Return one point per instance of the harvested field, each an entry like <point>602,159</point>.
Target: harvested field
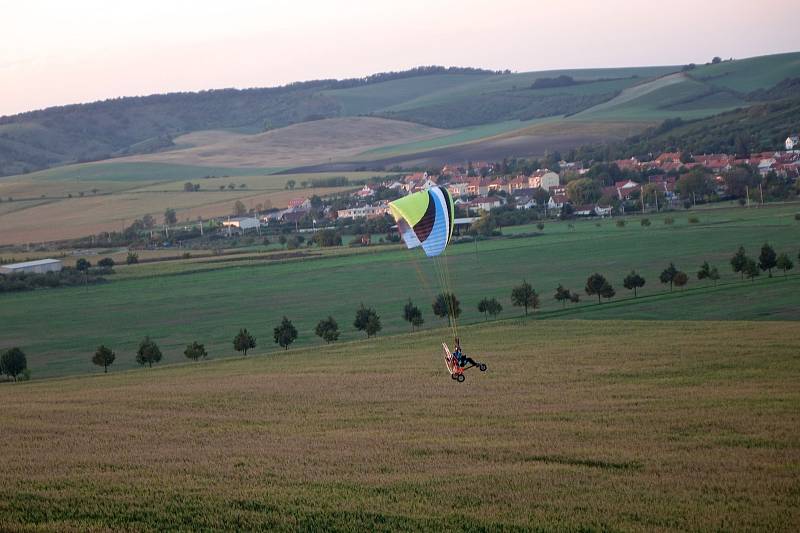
<point>570,429</point>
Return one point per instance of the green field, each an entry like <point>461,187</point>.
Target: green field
<point>210,302</point>
<point>749,74</point>
<point>576,426</point>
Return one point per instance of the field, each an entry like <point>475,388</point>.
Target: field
<point>66,214</point>
<point>577,426</point>
<point>208,301</point>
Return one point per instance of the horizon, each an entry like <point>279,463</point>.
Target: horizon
<point>97,52</point>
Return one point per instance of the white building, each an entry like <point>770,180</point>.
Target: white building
<point>792,142</point>
<point>32,267</point>
<point>544,179</point>
<point>367,211</point>
<point>458,189</point>
<point>242,223</point>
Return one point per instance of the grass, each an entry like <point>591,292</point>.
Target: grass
<point>749,74</point>
<point>465,135</point>
<point>179,302</point>
<point>577,426</point>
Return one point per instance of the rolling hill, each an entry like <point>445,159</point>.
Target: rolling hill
<point>227,129</point>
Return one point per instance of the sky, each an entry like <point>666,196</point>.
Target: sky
<point>55,52</point>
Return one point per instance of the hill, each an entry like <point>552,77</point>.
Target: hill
<point>762,127</point>
<point>462,100</point>
<point>576,426</point>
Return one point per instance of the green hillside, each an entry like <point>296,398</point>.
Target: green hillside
<point>746,75</point>
<point>452,98</point>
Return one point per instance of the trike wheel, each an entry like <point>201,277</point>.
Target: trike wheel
<point>461,378</point>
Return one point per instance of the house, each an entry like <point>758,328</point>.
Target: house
<point>525,202</point>
<point>365,192</point>
<point>484,203</point>
<point>367,211</point>
<point>792,142</point>
<point>39,266</point>
<point>458,189</point>
<point>520,182</point>
<point>626,188</point>
<point>765,165</point>
<point>478,187</point>
<point>627,164</point>
<point>544,179</point>
<point>668,157</point>
<point>557,199</point>
<point>584,210</point>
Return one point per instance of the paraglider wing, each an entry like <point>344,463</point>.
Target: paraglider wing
<point>425,219</point>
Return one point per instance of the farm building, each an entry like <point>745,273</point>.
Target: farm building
<point>243,223</point>
<point>32,267</point>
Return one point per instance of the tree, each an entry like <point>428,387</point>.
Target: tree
<point>285,333</point>
<point>584,191</point>
<point>784,263</point>
<point>705,270</point>
<point>188,186</point>
<point>290,184</point>
<point>750,269</point>
<point>494,307</point>
<point>106,262</point>
<point>148,353</point>
<point>170,217</point>
<point>713,275</point>
<point>195,351</point>
<point>327,237</point>
<point>489,306</point>
<point>680,279</point>
<point>13,362</point>
<point>716,60</point>
<point>367,320</point>
<point>574,297</point>
<point>132,258</point>
<point>767,259</point>
<point>239,208</point>
<point>633,281</point>
<point>696,183</point>
<point>598,285</point>
<point>243,341</point>
<point>373,325</point>
<point>739,260</point>
<point>82,264</point>
<point>524,296</point>
<point>562,295</point>
<point>447,305</point>
<point>668,275</point>
<point>327,329</point>
<point>412,314</point>
<point>104,356</point>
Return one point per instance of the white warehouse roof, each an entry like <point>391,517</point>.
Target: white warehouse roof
<point>28,264</point>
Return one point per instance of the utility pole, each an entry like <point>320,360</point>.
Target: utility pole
<point>747,191</point>
<point>761,190</point>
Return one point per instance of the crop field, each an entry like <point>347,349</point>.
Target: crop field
<point>179,302</point>
<point>576,426</point>
<point>61,216</point>
<point>306,143</point>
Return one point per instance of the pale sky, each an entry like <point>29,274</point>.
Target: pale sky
<point>55,52</point>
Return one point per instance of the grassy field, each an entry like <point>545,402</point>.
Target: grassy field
<point>750,74</point>
<point>576,426</point>
<point>179,302</point>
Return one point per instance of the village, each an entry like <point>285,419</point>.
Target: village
<point>671,180</point>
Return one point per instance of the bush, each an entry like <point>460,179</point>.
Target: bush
<point>645,222</point>
<point>694,220</point>
<point>106,262</point>
<point>620,223</point>
<point>669,221</point>
<point>797,216</point>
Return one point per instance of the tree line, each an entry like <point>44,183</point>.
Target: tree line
<point>446,305</point>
